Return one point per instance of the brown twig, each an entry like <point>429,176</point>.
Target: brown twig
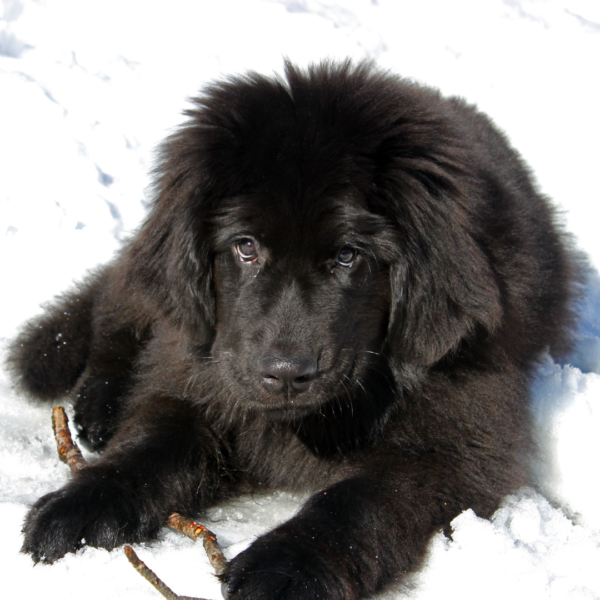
<point>70,454</point>
<point>148,574</point>
<point>68,451</point>
<point>194,531</point>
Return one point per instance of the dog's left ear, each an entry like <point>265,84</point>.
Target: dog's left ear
<point>443,288</point>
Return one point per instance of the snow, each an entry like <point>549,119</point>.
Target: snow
<point>87,90</point>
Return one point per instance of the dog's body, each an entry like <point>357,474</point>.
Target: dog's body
<point>342,288</point>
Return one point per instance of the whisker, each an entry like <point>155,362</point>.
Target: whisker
<point>192,378</point>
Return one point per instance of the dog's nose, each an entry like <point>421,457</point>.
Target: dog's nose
<point>287,373</point>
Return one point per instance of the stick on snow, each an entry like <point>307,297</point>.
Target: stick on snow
<point>70,454</point>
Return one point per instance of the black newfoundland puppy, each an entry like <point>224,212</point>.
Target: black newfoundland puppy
<point>342,288</point>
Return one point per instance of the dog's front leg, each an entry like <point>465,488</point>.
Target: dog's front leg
<point>356,537</point>
<point>164,458</point>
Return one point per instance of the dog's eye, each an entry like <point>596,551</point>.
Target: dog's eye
<point>346,257</point>
<point>246,250</point>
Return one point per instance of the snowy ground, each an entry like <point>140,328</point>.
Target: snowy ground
<point>87,89</point>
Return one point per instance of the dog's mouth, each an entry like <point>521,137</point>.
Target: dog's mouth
<point>286,409</point>
<point>304,398</point>
<point>305,386</point>
<point>294,384</point>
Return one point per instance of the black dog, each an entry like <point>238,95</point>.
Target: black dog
<point>342,287</point>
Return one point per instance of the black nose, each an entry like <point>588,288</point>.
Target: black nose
<point>287,373</point>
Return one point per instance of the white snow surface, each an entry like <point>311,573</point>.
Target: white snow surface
<point>87,91</point>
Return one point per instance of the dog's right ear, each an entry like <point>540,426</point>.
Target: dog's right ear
<point>168,264</point>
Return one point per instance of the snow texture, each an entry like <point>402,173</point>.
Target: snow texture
<point>88,89</point>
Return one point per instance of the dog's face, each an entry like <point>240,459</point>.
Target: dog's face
<point>313,228</point>
<point>302,299</point>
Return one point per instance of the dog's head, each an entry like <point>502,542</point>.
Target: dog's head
<point>313,226</point>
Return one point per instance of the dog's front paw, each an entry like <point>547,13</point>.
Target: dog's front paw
<point>278,568</point>
<point>85,514</point>
<point>51,529</point>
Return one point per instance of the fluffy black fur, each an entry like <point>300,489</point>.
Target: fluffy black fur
<point>342,288</point>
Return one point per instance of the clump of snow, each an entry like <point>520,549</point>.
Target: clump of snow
<point>88,91</point>
<point>566,410</point>
<point>528,550</point>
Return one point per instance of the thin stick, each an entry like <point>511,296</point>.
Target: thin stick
<point>68,451</point>
<point>70,454</point>
<point>194,531</point>
<point>150,576</point>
